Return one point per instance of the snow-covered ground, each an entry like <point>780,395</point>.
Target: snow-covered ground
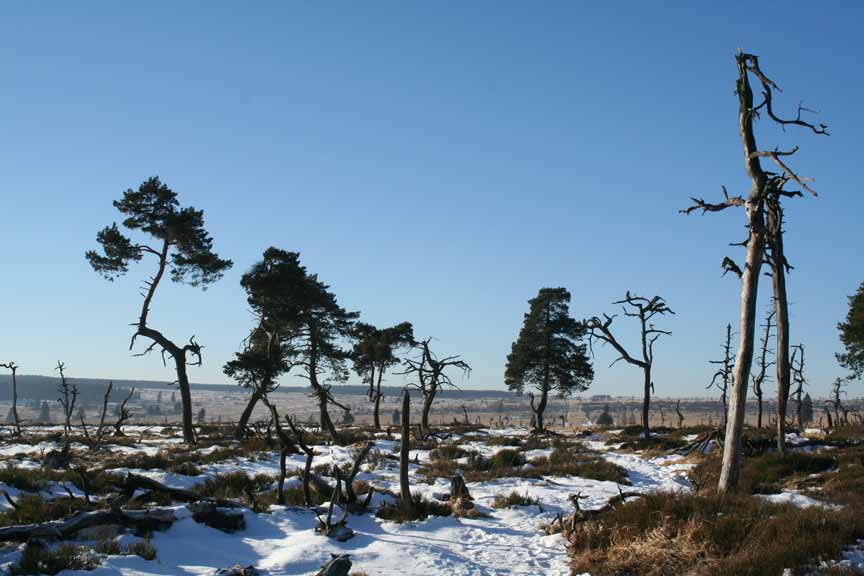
<point>283,541</point>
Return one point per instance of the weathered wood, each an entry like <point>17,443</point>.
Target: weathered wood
<point>337,566</point>
<point>405,500</point>
<point>140,520</point>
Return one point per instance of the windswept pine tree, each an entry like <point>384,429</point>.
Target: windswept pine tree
<point>180,245</point>
<point>375,352</point>
<point>549,355</point>
<point>265,356</point>
<point>309,319</point>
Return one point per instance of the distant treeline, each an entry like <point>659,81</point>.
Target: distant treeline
<point>93,389</point>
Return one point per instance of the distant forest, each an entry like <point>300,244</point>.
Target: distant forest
<point>92,390</point>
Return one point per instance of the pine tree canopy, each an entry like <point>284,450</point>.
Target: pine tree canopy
<point>549,354</point>
<point>376,347</point>
<point>184,243</point>
<point>852,334</point>
<point>300,307</point>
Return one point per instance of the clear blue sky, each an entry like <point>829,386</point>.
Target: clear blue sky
<point>435,162</point>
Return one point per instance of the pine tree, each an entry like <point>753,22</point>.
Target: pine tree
<point>852,335</point>
<point>375,352</point>
<point>806,409</point>
<point>549,354</point>
<point>182,245</point>
<point>308,319</point>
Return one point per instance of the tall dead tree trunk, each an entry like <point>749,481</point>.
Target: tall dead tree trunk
<point>764,186</point>
<point>777,261</point>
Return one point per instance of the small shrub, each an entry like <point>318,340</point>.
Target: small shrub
<point>32,508</point>
<point>504,441</point>
<point>423,508</point>
<point>448,452</point>
<point>38,558</point>
<point>514,499</point>
<point>675,533</point>
<point>234,485</point>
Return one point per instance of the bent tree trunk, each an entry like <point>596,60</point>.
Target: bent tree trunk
<point>185,396</point>
<point>427,409</point>
<point>247,413</point>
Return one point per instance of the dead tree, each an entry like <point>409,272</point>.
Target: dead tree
<point>432,377</point>
<point>797,366</point>
<point>722,376</point>
<point>761,376</point>
<point>286,448</point>
<point>337,530</point>
<point>679,414</point>
<point>16,422</point>
<point>405,501</point>
<point>840,411</point>
<point>95,441</point>
<point>123,414</point>
<point>68,396</point>
<point>644,309</point>
<point>766,190</point>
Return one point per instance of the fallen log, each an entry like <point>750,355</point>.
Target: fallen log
<point>156,519</point>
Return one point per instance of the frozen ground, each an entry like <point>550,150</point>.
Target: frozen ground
<point>283,542</point>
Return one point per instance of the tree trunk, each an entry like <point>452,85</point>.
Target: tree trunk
<point>185,396</point>
<point>15,419</point>
<point>427,408</point>
<point>540,409</point>
<point>326,422</point>
<point>247,413</point>
<point>404,488</point>
<point>759,410</point>
<point>646,402</point>
<point>376,411</point>
<point>775,223</point>
<point>730,469</point>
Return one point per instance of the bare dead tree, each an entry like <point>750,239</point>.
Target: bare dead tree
<point>722,377</point>
<point>95,441</point>
<point>678,413</point>
<point>761,376</point>
<point>765,192</point>
<point>123,414</point>
<point>432,377</point>
<point>68,396</point>
<point>798,379</point>
<point>644,309</point>
<point>286,448</point>
<point>841,413</point>
<point>16,422</point>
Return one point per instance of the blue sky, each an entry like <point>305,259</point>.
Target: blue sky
<point>433,162</point>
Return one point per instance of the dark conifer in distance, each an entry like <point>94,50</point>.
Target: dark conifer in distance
<point>549,355</point>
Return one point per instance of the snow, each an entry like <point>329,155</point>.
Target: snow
<point>796,499</point>
<point>502,542</point>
